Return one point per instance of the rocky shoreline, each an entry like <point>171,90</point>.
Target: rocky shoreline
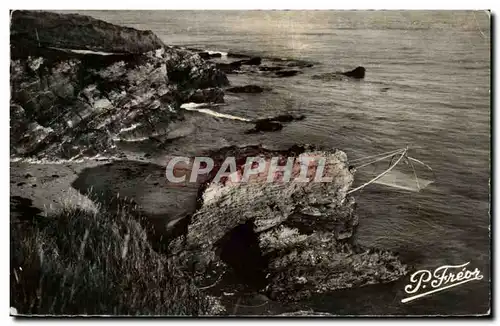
<point>79,86</point>
<point>287,240</point>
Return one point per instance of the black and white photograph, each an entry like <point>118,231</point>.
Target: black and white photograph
<point>250,163</point>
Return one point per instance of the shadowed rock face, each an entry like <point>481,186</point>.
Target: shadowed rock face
<point>266,125</point>
<point>287,73</point>
<point>274,123</point>
<point>47,29</point>
<point>207,95</point>
<point>289,240</point>
<point>67,104</point>
<point>247,89</point>
<point>251,62</point>
<point>357,73</point>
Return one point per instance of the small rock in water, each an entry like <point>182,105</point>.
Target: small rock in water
<point>207,55</point>
<point>229,68</point>
<point>266,125</point>
<point>274,123</point>
<point>246,89</point>
<point>287,118</point>
<point>358,73</point>
<point>207,95</point>
<point>268,68</point>
<point>252,62</point>
<point>287,73</point>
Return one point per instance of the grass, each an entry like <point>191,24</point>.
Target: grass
<point>80,262</point>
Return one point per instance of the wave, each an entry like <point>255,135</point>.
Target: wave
<point>224,54</point>
<point>201,107</point>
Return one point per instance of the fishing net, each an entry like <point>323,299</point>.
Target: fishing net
<point>400,173</point>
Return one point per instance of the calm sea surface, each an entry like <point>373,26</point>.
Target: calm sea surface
<point>436,66</point>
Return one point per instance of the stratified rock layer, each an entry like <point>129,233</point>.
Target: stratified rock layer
<point>65,103</point>
<point>287,239</point>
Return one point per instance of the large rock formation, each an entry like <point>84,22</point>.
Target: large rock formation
<point>65,102</point>
<point>286,239</point>
<point>47,29</point>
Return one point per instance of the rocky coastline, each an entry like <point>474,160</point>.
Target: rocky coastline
<point>80,85</point>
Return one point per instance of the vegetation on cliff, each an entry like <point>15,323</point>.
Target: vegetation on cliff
<point>80,262</point>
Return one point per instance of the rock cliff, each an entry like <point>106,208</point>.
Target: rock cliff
<point>66,102</point>
<point>288,240</point>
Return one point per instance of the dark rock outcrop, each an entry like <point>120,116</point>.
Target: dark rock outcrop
<point>236,55</point>
<point>265,125</point>
<point>292,62</point>
<point>247,89</point>
<point>358,73</point>
<point>274,123</point>
<point>286,73</point>
<point>229,68</point>
<point>207,95</point>
<point>65,103</point>
<point>249,64</point>
<point>270,68</point>
<point>255,61</point>
<point>285,118</point>
<point>289,240</point>
<point>207,55</point>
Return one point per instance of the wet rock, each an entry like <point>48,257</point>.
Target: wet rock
<point>207,55</point>
<point>289,240</point>
<point>358,73</point>
<point>300,64</point>
<point>236,55</point>
<point>287,73</point>
<point>251,62</point>
<point>292,62</point>
<point>247,89</point>
<point>285,118</point>
<point>270,68</point>
<point>266,125</point>
<point>229,68</point>
<point>274,123</point>
<point>35,138</point>
<point>204,55</point>
<point>207,95</point>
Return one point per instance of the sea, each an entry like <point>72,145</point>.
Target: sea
<point>427,88</point>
